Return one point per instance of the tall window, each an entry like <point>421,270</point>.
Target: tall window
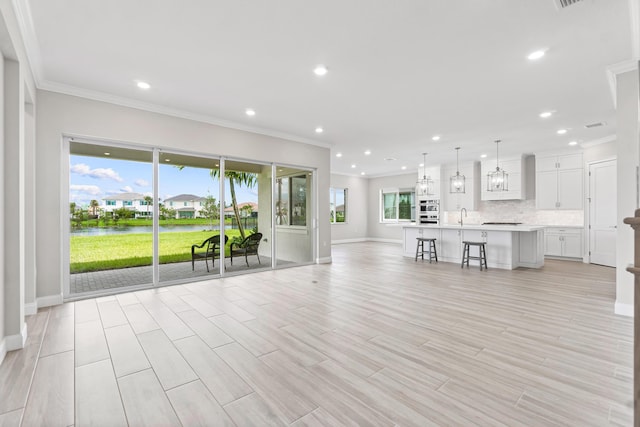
<point>338,204</point>
<point>397,205</point>
<point>291,200</point>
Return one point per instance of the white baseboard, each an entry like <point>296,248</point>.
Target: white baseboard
<point>30,308</point>
<point>324,260</point>
<point>376,239</point>
<point>340,242</point>
<point>50,300</point>
<point>13,342</point>
<point>3,349</point>
<point>624,309</point>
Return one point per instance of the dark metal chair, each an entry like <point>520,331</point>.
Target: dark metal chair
<point>249,246</point>
<point>212,251</point>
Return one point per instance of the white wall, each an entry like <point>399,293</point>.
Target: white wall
<point>375,229</point>
<point>60,114</point>
<point>627,162</point>
<point>355,227</point>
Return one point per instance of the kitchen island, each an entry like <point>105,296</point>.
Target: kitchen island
<point>507,246</point>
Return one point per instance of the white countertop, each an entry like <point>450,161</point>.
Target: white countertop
<point>521,227</point>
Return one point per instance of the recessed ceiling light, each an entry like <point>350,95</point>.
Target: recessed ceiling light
<point>353,166</point>
<point>361,173</point>
<point>403,167</point>
<point>338,154</point>
<point>546,114</point>
<point>320,70</point>
<point>421,165</point>
<point>144,85</point>
<point>319,129</point>
<point>483,156</point>
<point>436,138</point>
<point>250,112</point>
<point>573,143</point>
<point>368,152</point>
<point>536,55</point>
<point>107,154</point>
<point>562,131</point>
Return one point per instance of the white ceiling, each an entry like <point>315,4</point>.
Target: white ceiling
<point>399,71</point>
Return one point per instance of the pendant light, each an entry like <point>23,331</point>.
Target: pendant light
<point>497,180</point>
<point>425,185</point>
<point>456,182</point>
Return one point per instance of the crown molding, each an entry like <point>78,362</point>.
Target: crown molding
<point>603,140</point>
<point>174,112</point>
<point>614,70</point>
<point>29,38</point>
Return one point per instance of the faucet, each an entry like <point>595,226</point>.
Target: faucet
<point>465,214</point>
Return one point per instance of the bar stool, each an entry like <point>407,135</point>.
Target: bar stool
<point>431,248</point>
<point>482,254</point>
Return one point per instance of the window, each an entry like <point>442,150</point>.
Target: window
<point>127,203</point>
<point>338,204</point>
<point>291,200</point>
<point>397,205</point>
<point>111,202</point>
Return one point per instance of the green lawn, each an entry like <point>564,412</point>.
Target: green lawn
<point>93,253</point>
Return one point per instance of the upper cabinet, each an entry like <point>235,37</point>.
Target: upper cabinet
<point>516,170</point>
<point>470,199</point>
<point>559,181</point>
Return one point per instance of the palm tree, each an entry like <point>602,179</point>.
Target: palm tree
<point>240,178</point>
<point>93,207</point>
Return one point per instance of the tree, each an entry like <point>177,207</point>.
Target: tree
<point>94,205</point>
<point>148,200</point>
<point>72,208</point>
<point>210,209</point>
<point>239,178</point>
<point>247,210</point>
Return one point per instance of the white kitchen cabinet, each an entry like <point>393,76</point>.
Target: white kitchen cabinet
<point>412,233</point>
<point>559,181</point>
<point>516,171</point>
<point>563,242</point>
<point>470,199</point>
<point>450,245</point>
<point>499,245</point>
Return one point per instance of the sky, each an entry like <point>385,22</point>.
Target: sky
<point>98,177</point>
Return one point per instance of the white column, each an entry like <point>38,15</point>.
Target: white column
<point>628,191</point>
<point>14,207</point>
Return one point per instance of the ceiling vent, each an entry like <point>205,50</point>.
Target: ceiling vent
<point>594,125</point>
<point>561,4</point>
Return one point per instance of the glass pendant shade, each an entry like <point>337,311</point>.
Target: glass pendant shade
<point>457,181</point>
<point>425,185</point>
<point>497,180</point>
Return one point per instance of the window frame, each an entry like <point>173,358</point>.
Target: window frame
<point>290,200</point>
<point>333,191</point>
<point>398,192</point>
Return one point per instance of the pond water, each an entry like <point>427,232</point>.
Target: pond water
<point>97,231</point>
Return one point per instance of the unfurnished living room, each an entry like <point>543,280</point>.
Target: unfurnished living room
<point>330,213</point>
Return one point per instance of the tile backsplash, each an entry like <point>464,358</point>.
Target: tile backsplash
<point>523,211</point>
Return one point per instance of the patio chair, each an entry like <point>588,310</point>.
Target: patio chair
<point>212,250</point>
<point>249,246</point>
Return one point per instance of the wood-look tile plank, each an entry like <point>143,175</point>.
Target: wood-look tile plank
<point>51,396</point>
<point>201,306</point>
<point>16,371</point>
<point>11,419</point>
<point>126,353</point>
<point>245,336</point>
<point>317,418</point>
<point>139,318</point>
<point>222,381</point>
<point>169,322</point>
<point>90,343</point>
<point>59,336</point>
<point>196,406</point>
<point>172,370</point>
<point>145,403</point>
<point>97,396</point>
<point>251,410</point>
<point>270,386</point>
<point>111,314</point>
<point>205,329</point>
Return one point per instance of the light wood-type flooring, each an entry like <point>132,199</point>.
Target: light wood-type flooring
<point>371,339</point>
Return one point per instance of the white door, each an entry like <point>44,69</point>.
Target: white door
<point>602,213</point>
